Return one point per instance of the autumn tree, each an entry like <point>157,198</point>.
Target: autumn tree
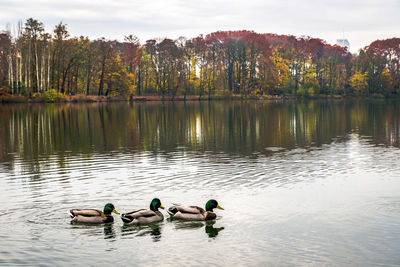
<point>358,82</point>
<point>246,63</point>
<point>5,52</point>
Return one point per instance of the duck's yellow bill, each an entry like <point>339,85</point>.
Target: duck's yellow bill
<point>219,207</point>
<point>115,211</point>
<point>161,206</point>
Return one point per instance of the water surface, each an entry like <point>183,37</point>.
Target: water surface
<point>302,183</point>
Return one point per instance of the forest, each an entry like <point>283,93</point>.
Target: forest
<point>37,64</point>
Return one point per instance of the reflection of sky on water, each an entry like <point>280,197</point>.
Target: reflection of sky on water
<point>317,193</point>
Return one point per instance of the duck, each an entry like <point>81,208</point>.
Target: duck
<point>195,213</point>
<point>143,216</point>
<point>93,216</point>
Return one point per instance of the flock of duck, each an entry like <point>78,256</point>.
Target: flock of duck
<point>142,216</point>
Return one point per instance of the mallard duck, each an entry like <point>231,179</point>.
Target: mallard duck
<point>195,213</point>
<point>143,215</point>
<point>94,216</point>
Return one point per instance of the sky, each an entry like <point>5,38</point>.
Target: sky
<point>359,21</point>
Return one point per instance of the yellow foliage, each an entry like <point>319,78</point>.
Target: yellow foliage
<point>281,68</point>
<point>387,78</point>
<point>309,72</point>
<point>358,81</point>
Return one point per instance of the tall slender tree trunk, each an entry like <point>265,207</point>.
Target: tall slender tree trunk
<point>16,69</point>
<point>37,69</point>
<point>26,75</point>
<point>65,74</point>
<point>20,72</point>
<point>76,80</point>
<point>88,83</point>
<point>139,78</point>
<point>48,69</point>
<point>88,70</point>
<point>69,86</point>
<point>42,69</point>
<point>53,69</point>
<point>101,83</point>
<point>29,69</point>
<point>58,72</point>
<point>10,73</point>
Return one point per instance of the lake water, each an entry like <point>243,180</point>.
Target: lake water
<point>302,183</point>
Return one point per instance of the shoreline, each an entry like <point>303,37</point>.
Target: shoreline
<point>180,98</point>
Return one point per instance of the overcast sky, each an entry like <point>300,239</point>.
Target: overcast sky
<point>360,21</point>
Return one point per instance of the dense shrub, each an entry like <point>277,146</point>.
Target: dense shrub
<point>54,96</point>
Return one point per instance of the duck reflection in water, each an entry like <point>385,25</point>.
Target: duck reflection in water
<point>209,228</point>
<point>109,232</point>
<point>211,231</point>
<point>153,230</point>
<point>91,229</point>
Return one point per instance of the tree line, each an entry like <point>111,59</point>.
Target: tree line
<point>33,61</point>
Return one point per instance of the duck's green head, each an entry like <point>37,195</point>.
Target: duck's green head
<point>108,208</point>
<point>155,204</point>
<point>212,204</point>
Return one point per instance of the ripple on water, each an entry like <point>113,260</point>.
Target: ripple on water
<point>283,168</point>
<point>268,206</point>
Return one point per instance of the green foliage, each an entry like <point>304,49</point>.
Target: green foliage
<point>54,96</point>
<point>310,88</point>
